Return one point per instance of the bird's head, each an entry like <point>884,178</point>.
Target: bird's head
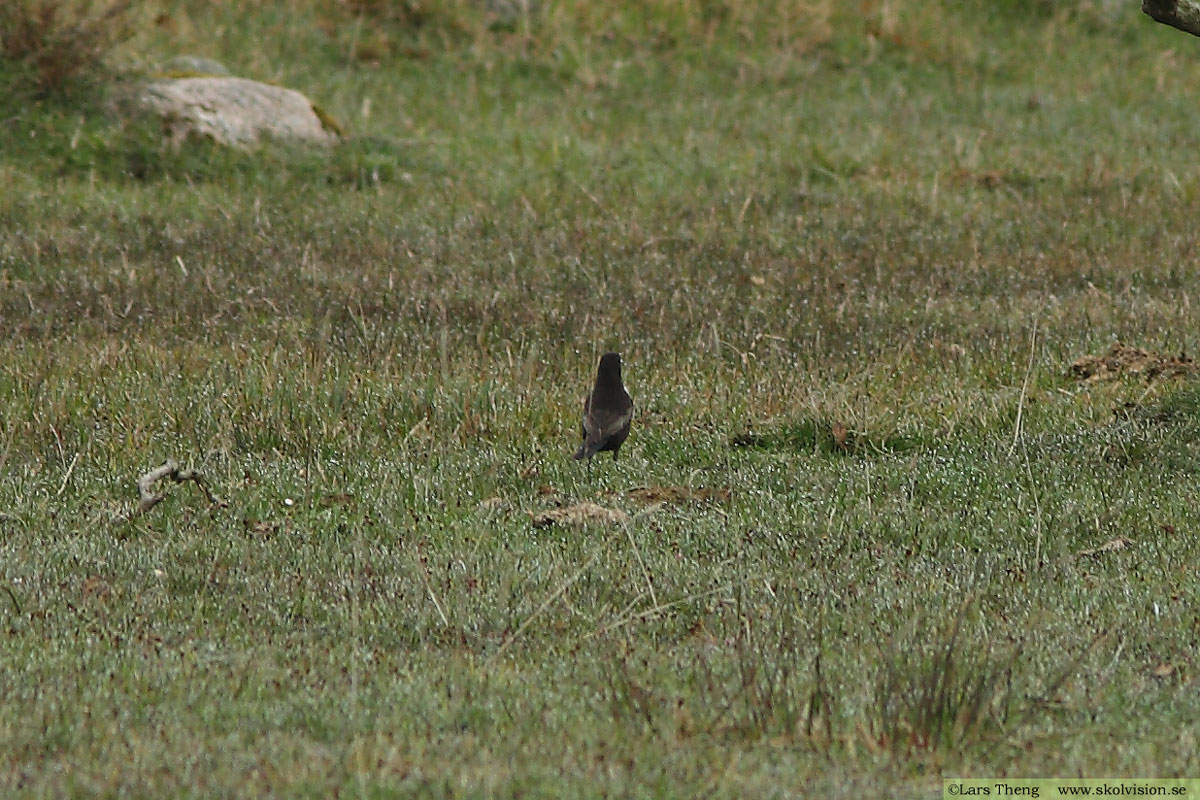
<point>610,368</point>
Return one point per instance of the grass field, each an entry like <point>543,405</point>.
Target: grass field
<point>848,256</point>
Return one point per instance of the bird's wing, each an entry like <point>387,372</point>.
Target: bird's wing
<point>587,416</point>
<point>602,423</point>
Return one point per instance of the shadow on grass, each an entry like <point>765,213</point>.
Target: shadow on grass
<point>358,163</point>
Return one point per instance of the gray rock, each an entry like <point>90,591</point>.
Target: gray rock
<point>233,111</point>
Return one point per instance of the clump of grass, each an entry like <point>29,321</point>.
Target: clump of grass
<point>764,681</point>
<point>49,43</point>
<point>938,698</point>
<point>771,695</point>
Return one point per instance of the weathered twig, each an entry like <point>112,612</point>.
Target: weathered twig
<point>170,469</point>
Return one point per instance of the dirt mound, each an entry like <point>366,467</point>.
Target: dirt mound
<point>1122,360</point>
<point>580,514</point>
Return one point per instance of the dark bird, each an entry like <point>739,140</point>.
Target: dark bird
<point>607,411</point>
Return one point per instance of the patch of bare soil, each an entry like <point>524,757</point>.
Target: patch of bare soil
<point>580,514</point>
<point>1121,359</point>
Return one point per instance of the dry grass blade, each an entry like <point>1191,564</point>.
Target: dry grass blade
<point>1111,546</point>
<point>7,446</point>
<point>424,573</point>
<point>1024,388</point>
<point>557,593</point>
<point>13,597</point>
<point>641,563</point>
<point>625,618</point>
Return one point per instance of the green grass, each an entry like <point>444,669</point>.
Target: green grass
<point>906,224</point>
